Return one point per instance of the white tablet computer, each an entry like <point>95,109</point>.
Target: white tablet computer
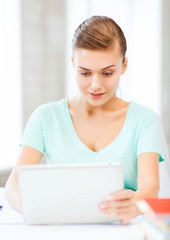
<point>64,194</point>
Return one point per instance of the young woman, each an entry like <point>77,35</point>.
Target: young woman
<point>95,125</point>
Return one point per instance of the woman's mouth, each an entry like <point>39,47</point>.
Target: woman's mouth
<point>96,95</point>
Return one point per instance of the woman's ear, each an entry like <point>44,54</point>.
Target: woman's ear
<point>125,63</point>
<point>72,59</point>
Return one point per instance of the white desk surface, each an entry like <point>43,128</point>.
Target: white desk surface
<point>12,226</point>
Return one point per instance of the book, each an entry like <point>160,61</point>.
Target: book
<point>158,207</point>
<point>153,231</point>
<point>156,216</point>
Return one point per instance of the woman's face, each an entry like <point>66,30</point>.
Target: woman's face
<point>98,73</point>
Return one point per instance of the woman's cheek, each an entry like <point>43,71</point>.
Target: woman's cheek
<point>112,84</point>
<point>82,84</point>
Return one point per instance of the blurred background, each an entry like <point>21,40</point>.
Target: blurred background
<point>35,58</point>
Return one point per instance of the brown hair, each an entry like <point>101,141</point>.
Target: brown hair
<point>99,32</point>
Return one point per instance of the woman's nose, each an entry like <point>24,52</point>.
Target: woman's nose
<point>95,83</point>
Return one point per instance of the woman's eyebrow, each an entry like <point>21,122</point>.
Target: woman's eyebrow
<point>101,69</point>
<point>83,68</point>
<point>108,67</point>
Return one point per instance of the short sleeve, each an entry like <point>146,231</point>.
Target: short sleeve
<point>33,133</point>
<point>151,137</point>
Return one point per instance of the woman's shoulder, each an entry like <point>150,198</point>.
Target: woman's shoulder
<point>141,115</point>
<point>50,107</point>
<point>49,112</point>
<point>141,110</point>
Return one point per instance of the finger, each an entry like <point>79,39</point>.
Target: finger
<point>120,216</point>
<point>119,210</point>
<point>124,194</point>
<point>116,204</point>
<point>124,217</point>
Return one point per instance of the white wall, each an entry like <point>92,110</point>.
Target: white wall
<point>10,81</point>
<point>43,53</point>
<point>32,67</point>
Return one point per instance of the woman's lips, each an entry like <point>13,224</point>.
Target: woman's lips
<point>96,95</point>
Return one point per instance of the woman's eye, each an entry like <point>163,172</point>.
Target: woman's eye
<point>85,73</point>
<point>107,73</point>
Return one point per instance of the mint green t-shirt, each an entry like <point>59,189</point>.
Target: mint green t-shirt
<point>50,130</point>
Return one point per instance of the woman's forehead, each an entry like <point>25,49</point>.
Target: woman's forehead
<point>97,58</point>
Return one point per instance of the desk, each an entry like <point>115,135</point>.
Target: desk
<point>12,226</point>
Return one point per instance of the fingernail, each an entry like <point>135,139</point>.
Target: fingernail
<point>102,206</point>
<point>112,197</point>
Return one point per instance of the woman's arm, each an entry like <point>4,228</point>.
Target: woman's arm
<point>123,203</point>
<point>27,156</point>
<point>148,175</point>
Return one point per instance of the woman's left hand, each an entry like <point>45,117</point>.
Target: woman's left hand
<point>122,205</point>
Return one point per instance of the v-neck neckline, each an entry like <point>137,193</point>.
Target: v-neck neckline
<point>79,141</point>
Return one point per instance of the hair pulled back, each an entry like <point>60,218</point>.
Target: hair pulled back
<point>99,32</point>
